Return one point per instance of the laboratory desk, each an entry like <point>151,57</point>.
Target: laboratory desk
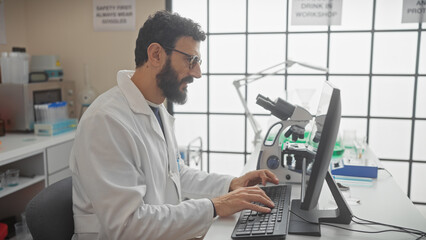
<point>382,201</point>
<point>41,160</point>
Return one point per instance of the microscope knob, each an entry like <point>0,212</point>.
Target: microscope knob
<point>273,162</point>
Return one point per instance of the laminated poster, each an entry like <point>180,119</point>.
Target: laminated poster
<point>114,15</point>
<point>316,12</point>
<point>413,11</point>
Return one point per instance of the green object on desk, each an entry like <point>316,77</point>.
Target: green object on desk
<point>284,139</point>
<point>337,152</point>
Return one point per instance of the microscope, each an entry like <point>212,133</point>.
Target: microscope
<point>288,160</point>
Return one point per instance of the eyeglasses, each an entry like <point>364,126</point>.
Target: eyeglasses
<point>193,59</point>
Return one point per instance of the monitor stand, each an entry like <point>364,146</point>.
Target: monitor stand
<point>342,214</point>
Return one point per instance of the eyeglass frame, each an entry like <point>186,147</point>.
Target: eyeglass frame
<point>193,59</point>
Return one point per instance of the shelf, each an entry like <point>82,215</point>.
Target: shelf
<point>23,183</point>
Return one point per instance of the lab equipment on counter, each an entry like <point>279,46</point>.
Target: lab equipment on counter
<point>14,67</point>
<point>12,177</point>
<point>50,65</point>
<point>287,160</point>
<point>88,94</point>
<point>193,153</point>
<point>52,119</point>
<point>351,165</point>
<point>17,102</point>
<point>51,112</point>
<point>55,128</point>
<point>273,70</point>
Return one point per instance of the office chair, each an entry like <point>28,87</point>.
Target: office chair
<point>49,214</point>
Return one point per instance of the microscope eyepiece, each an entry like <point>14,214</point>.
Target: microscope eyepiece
<point>280,108</point>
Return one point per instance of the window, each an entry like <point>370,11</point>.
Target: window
<point>377,62</point>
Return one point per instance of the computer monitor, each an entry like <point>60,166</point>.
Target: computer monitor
<point>322,139</point>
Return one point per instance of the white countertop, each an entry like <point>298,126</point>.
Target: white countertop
<point>19,145</point>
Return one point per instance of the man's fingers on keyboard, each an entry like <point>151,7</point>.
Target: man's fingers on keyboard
<point>263,200</point>
<point>254,188</point>
<point>263,194</point>
<point>258,208</point>
<point>257,189</point>
<point>256,194</point>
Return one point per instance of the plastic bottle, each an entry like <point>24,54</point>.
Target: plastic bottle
<point>14,66</point>
<point>24,67</point>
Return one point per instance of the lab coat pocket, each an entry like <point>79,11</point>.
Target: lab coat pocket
<point>176,180</point>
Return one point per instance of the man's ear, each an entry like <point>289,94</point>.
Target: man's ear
<point>155,54</point>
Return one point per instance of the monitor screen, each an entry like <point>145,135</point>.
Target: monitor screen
<point>321,140</point>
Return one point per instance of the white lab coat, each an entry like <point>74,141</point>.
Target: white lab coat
<point>126,180</point>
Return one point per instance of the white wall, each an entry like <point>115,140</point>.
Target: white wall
<point>65,28</point>
<point>16,24</point>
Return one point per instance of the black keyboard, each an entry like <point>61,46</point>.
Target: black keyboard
<point>253,225</point>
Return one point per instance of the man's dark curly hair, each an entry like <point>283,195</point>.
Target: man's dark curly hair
<point>165,28</point>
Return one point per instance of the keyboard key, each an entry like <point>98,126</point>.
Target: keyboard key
<point>258,232</point>
<point>246,233</point>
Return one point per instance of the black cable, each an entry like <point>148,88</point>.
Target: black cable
<point>369,223</point>
<point>380,168</point>
<point>348,229</point>
<point>399,229</point>
<point>389,225</point>
<point>421,237</point>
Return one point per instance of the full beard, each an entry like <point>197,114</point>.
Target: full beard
<point>168,82</point>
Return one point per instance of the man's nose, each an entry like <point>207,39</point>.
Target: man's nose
<point>196,71</point>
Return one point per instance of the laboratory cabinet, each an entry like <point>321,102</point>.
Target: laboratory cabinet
<point>41,161</point>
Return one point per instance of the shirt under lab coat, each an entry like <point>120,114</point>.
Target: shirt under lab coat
<point>126,179</point>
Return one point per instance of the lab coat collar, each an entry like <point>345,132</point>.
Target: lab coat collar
<point>137,101</point>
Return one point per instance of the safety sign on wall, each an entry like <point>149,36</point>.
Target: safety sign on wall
<point>414,11</point>
<point>316,12</point>
<point>114,15</point>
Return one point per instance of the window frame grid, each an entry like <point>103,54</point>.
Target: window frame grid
<point>419,30</point>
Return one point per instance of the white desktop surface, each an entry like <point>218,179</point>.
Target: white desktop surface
<point>382,202</point>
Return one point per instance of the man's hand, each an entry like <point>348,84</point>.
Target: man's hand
<point>253,178</point>
<point>240,199</point>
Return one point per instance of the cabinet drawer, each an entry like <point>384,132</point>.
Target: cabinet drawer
<point>59,176</point>
<point>58,156</point>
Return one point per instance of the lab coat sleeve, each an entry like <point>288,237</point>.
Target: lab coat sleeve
<point>198,184</point>
<point>105,150</point>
